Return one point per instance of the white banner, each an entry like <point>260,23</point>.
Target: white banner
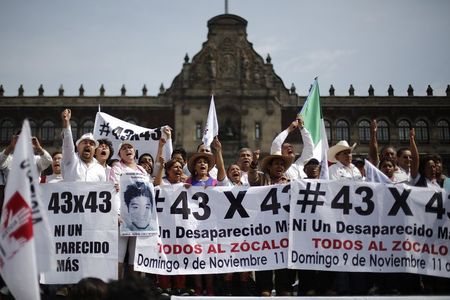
<point>369,227</point>
<point>137,207</point>
<point>145,140</point>
<point>217,230</point>
<point>83,218</point>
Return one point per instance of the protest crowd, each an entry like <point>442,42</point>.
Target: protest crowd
<point>90,160</point>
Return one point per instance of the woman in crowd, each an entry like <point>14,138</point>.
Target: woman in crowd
<point>200,164</point>
<point>171,285</point>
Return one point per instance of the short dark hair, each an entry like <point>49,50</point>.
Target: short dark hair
<point>109,144</point>
<point>180,151</point>
<point>56,153</point>
<point>145,154</point>
<point>137,189</point>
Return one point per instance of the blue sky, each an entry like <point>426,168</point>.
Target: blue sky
<point>137,42</point>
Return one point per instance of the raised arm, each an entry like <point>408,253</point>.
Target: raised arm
<point>373,144</point>
<point>308,144</point>
<point>44,160</point>
<point>159,173</point>
<point>221,173</point>
<point>68,148</point>
<point>254,177</point>
<point>414,154</point>
<point>5,157</point>
<point>277,143</point>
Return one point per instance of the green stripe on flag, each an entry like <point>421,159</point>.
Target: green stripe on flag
<point>312,114</point>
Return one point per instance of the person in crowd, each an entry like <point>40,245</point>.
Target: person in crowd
<point>244,161</point>
<point>80,165</point>
<point>146,161</point>
<point>41,157</point>
<point>343,168</point>
<point>388,151</point>
<point>173,173</point>
<point>200,164</point>
<point>425,176</point>
<point>312,169</point>
<point>360,164</point>
<point>311,282</point>
<point>201,148</point>
<point>181,155</point>
<point>132,288</point>
<point>273,168</point>
<point>440,176</point>
<point>89,288</point>
<point>103,154</point>
<point>387,167</point>
<point>171,285</point>
<point>279,145</point>
<point>56,175</point>
<point>127,164</point>
<point>404,162</point>
<point>234,175</point>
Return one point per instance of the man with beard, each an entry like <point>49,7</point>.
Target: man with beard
<point>80,165</point>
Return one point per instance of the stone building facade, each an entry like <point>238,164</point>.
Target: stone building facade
<point>253,105</point>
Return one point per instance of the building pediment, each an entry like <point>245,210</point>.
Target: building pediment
<point>227,61</point>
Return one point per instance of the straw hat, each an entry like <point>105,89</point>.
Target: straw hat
<point>277,155</point>
<point>87,136</point>
<point>340,146</point>
<point>195,156</point>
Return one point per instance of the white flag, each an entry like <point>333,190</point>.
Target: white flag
<point>212,126</point>
<point>18,264</point>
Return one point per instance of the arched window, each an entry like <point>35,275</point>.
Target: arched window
<point>342,130</point>
<point>88,126</point>
<point>403,130</point>
<point>6,130</point>
<point>48,131</point>
<point>328,130</point>
<point>421,129</point>
<point>382,131</point>
<point>444,131</point>
<point>74,127</point>
<point>364,130</point>
<point>33,127</point>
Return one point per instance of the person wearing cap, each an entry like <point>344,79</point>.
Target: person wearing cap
<point>273,168</point>
<point>42,158</point>
<point>312,168</point>
<point>341,155</point>
<point>200,164</point>
<point>80,165</point>
<point>286,149</point>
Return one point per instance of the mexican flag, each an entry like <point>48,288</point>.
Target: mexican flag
<point>311,114</point>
